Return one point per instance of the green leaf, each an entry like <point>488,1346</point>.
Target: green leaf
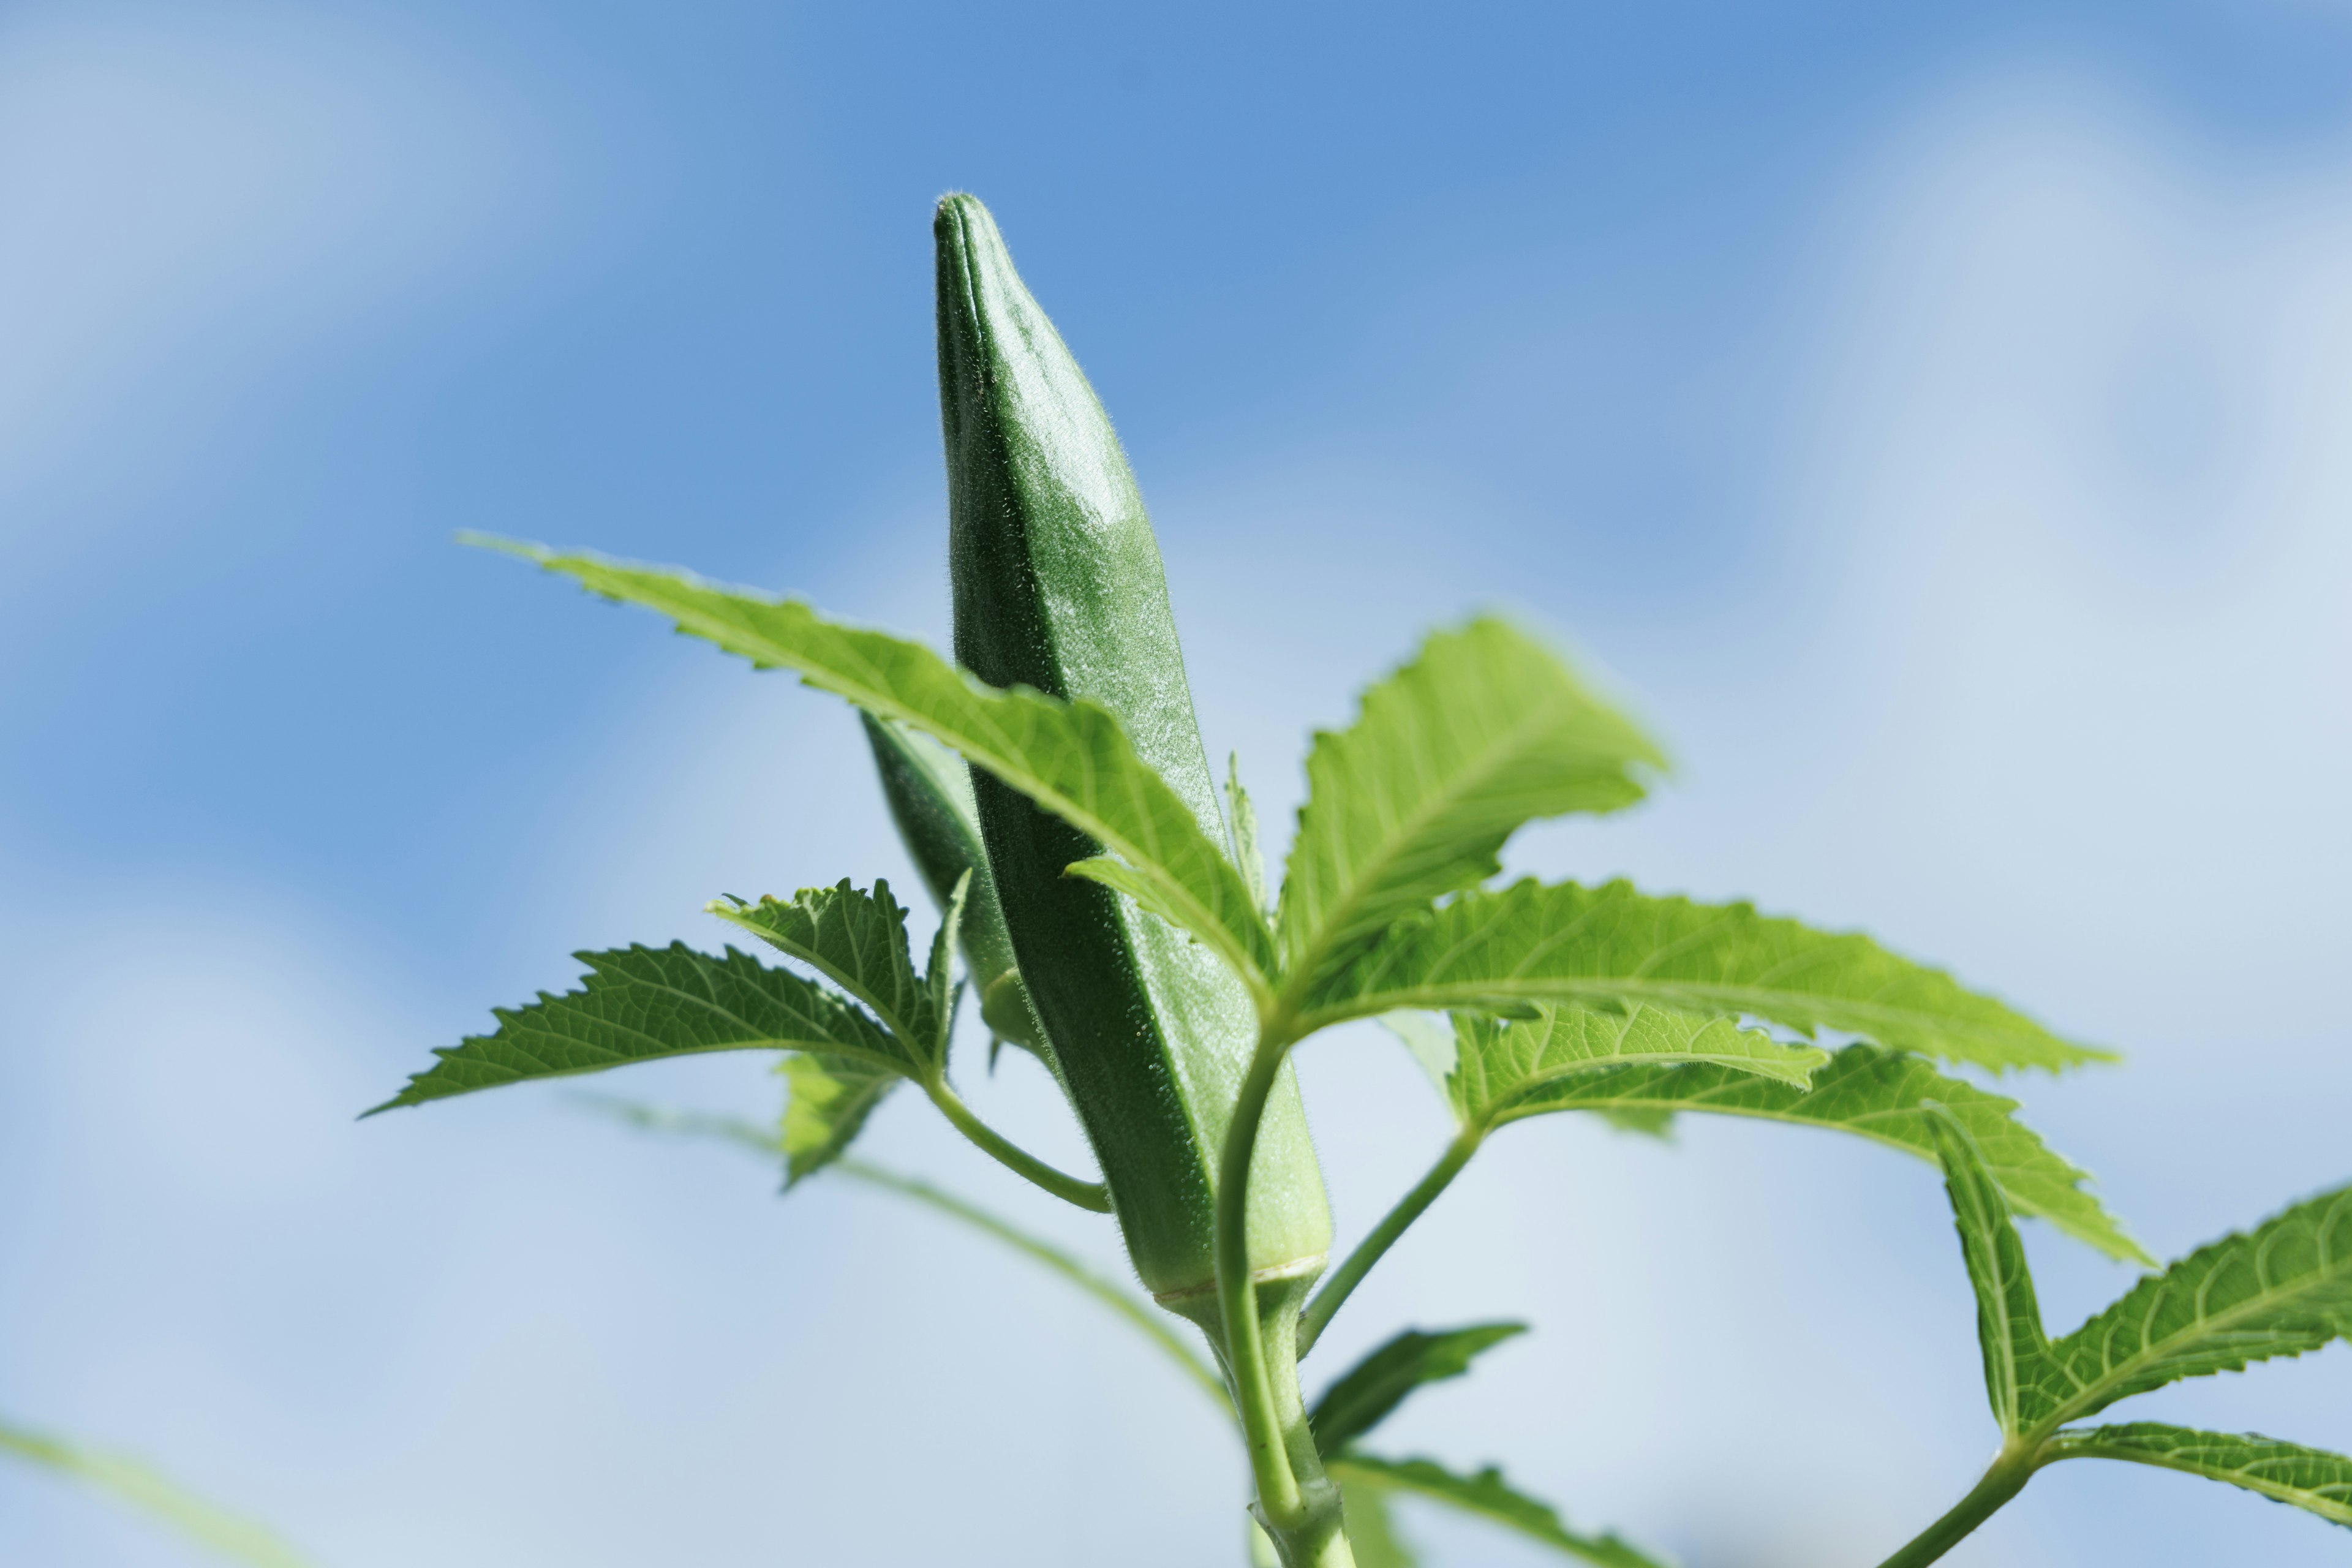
<point>1489,1496</point>
<point>1499,1063</point>
<point>1880,1095</point>
<point>2282,1289</point>
<point>827,1100</point>
<point>1069,757</point>
<point>642,1003</point>
<point>1485,730</point>
<point>856,940</point>
<point>129,1481</point>
<point>1612,946</point>
<point>1658,1124</point>
<point>2009,1319</point>
<point>1365,1393</point>
<point>2309,1478</point>
<point>1372,1533</point>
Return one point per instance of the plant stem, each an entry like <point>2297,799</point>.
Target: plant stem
<point>2007,1478</point>
<point>1091,1196</point>
<point>1334,1294</point>
<point>1254,1396</point>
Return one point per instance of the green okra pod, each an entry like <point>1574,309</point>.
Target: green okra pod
<point>1059,584</point>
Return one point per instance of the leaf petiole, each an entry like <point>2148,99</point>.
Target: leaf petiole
<point>1373,1248</point>
<point>1093,1196</point>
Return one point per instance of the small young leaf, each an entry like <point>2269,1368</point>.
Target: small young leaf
<point>2009,1319</point>
<point>2309,1478</point>
<point>2282,1289</point>
<point>643,1004</point>
<point>941,990</point>
<point>1246,854</point>
<point>1365,1393</point>
<point>1069,757</point>
<point>1613,946</point>
<point>1482,731</point>
<point>858,939</point>
<point>1879,1095</point>
<point>129,1481</point>
<point>1489,1496</point>
<point>827,1100</point>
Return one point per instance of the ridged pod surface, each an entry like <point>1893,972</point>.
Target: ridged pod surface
<point>1059,584</point>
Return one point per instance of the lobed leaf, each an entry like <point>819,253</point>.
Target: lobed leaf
<point>1482,731</point>
<point>1877,1094</point>
<point>2282,1289</point>
<point>1069,757</point>
<point>2009,1317</point>
<point>858,939</point>
<point>2310,1479</point>
<point>1364,1395</point>
<point>1490,1497</point>
<point>642,1003</point>
<point>1611,946</point>
<point>827,1099</point>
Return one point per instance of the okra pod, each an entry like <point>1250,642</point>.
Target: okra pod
<point>1059,584</point>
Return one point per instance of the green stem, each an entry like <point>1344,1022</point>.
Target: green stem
<point>1091,1196</point>
<point>1253,1394</point>
<point>1350,1273</point>
<point>2004,1481</point>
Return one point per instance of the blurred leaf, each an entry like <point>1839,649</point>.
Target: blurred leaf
<point>129,1481</point>
<point>1489,1496</point>
<point>1372,1528</point>
<point>1362,1397</point>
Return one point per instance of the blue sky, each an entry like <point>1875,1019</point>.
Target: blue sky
<point>1932,417</point>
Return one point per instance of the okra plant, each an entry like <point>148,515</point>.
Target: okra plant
<point>1113,916</point>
